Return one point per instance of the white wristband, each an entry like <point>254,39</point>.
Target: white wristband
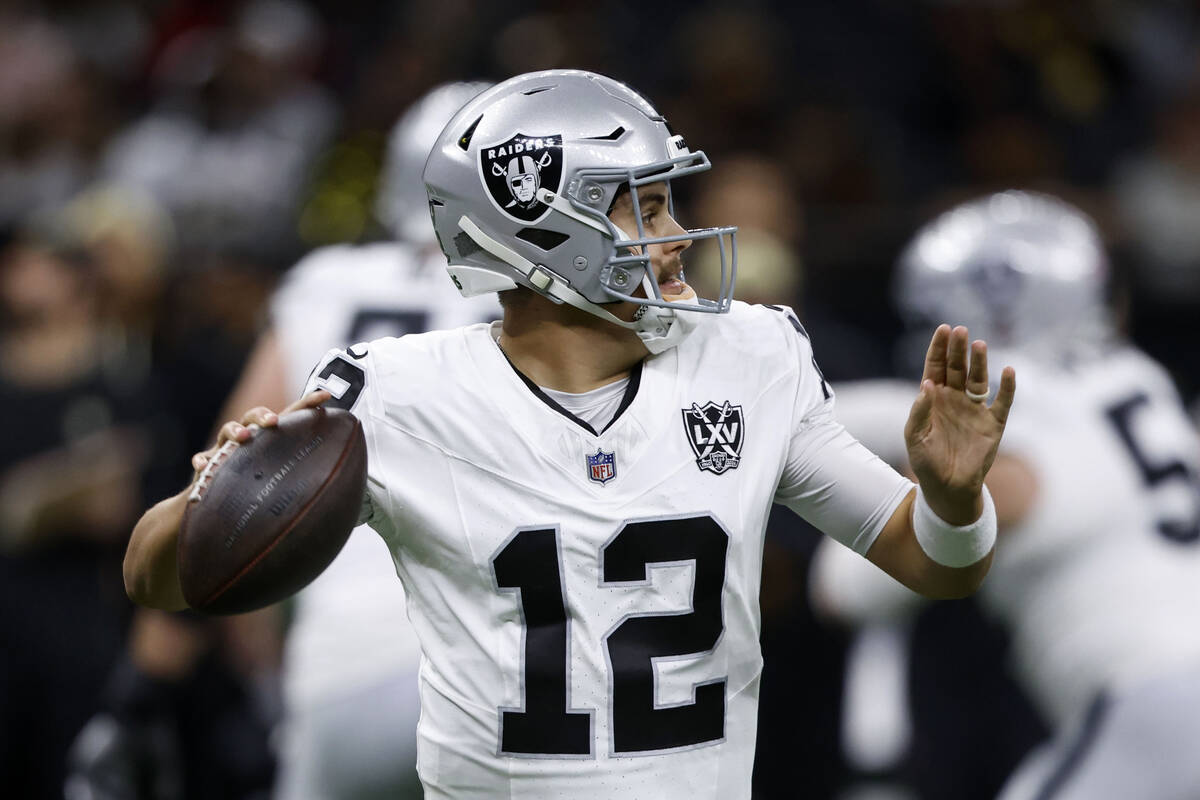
<point>954,545</point>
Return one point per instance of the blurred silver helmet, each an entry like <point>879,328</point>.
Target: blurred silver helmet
<point>401,204</point>
<point>520,184</point>
<point>1019,269</point>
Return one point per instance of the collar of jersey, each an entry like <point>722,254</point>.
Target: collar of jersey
<point>635,379</point>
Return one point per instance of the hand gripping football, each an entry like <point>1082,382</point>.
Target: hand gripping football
<point>271,514</point>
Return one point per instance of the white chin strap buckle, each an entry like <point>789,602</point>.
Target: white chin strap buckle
<point>540,278</point>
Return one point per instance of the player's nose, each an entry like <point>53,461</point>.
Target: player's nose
<point>673,228</point>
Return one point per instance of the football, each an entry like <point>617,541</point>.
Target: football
<point>269,515</point>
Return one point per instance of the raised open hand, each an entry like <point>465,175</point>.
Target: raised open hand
<point>952,433</point>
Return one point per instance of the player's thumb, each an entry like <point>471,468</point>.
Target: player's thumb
<point>310,400</point>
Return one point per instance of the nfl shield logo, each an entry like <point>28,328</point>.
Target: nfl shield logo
<point>715,433</point>
<point>602,467</point>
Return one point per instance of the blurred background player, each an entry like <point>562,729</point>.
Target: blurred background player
<point>351,659</point>
<point>1096,574</point>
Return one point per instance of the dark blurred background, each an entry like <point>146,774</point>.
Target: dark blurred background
<point>162,162</point>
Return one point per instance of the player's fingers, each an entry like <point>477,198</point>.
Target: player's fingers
<point>1004,398</point>
<point>935,356</point>
<point>205,457</point>
<point>956,359</point>
<point>261,416</point>
<point>310,400</point>
<point>233,432</point>
<point>977,373</point>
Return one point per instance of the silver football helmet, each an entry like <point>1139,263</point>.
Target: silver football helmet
<point>520,185</point>
<point>1019,269</point>
<point>401,204</point>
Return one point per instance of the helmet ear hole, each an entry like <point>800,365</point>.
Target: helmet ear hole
<point>540,237</point>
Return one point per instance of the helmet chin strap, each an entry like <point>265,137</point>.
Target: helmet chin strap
<point>659,328</point>
<point>664,328</point>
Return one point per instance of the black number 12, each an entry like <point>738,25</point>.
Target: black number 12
<point>529,563</point>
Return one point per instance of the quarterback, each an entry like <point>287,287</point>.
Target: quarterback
<point>575,496</point>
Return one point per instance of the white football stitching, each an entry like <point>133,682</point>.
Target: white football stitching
<point>210,469</point>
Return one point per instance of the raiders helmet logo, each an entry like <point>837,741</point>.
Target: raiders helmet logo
<point>514,170</point>
<point>715,433</point>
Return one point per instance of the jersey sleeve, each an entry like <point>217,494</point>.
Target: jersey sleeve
<point>829,478</point>
<point>343,373</point>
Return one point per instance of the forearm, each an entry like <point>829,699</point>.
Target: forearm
<point>938,582</point>
<point>898,552</point>
<point>151,570</point>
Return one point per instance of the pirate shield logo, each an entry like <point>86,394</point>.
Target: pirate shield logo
<point>715,433</point>
<point>514,170</point>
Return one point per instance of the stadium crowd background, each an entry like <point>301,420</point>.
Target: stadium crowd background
<point>163,162</point>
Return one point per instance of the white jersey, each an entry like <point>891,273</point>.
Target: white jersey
<point>1100,583</point>
<point>587,602</point>
<point>334,297</point>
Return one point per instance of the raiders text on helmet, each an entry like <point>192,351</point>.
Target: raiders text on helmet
<point>520,184</point>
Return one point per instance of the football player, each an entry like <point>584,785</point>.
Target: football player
<point>575,496</point>
<point>1097,578</point>
<point>351,657</point>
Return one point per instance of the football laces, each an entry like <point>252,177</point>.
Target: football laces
<point>210,469</point>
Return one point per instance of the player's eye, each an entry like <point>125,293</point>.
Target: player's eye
<point>648,219</point>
